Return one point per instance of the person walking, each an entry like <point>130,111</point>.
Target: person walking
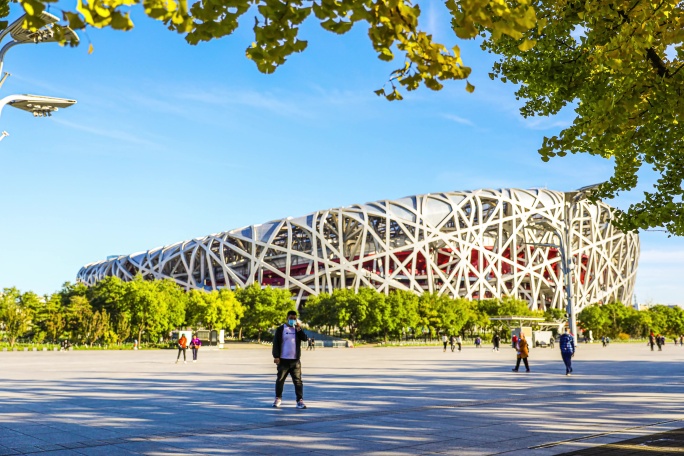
<point>313,343</point>
<point>514,341</point>
<point>567,348</point>
<point>444,341</point>
<point>523,353</point>
<point>496,340</point>
<point>478,342</point>
<point>182,346</point>
<point>459,342</point>
<point>651,340</point>
<point>659,342</point>
<point>452,342</point>
<point>195,345</point>
<point>286,354</point>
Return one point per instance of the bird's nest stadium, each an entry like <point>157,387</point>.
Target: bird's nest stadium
<point>475,244</point>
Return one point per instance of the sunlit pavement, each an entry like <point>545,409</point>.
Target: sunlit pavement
<point>361,401</point>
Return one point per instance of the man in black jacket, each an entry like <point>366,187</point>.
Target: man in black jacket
<point>286,353</point>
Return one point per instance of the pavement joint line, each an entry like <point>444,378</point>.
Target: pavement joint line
<point>295,421</point>
<point>602,434</point>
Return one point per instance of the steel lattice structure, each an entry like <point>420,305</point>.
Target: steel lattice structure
<point>475,244</point>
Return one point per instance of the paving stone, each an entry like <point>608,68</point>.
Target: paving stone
<point>361,401</point>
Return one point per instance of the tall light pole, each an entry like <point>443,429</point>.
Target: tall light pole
<point>567,266</point>
<point>564,246</point>
<point>38,105</point>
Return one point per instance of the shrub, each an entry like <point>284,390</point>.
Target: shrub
<point>623,336</point>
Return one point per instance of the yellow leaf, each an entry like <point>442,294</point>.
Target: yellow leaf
<point>90,48</point>
<point>527,45</point>
<point>469,87</point>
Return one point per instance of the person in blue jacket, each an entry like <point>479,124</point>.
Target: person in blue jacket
<point>286,353</point>
<point>567,347</point>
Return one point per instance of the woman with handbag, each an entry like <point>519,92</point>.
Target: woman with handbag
<point>195,344</point>
<point>523,353</point>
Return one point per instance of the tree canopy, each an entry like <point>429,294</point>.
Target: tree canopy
<point>616,62</point>
<point>615,318</point>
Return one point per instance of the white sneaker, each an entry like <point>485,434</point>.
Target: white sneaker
<point>185,362</point>
<point>300,404</point>
<point>194,361</point>
<point>277,402</point>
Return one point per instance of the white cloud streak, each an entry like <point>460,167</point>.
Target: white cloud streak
<point>460,120</point>
<point>109,133</point>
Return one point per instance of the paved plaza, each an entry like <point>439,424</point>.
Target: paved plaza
<point>398,401</point>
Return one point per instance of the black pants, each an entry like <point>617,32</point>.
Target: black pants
<point>180,349</point>
<point>567,359</point>
<point>517,364</point>
<point>194,354</point>
<point>293,368</point>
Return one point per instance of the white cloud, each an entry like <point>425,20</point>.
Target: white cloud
<point>545,123</point>
<point>659,276</point>
<point>109,133</point>
<point>458,119</point>
<point>269,101</point>
<point>661,257</point>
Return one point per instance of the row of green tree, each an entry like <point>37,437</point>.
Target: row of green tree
<point>617,320</point>
<point>113,311</point>
<point>370,314</point>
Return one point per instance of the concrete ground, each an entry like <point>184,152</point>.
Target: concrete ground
<point>398,401</point>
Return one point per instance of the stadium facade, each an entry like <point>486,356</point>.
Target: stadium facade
<point>475,244</point>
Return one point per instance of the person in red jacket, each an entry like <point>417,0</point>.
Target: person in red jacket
<point>286,353</point>
<point>182,346</point>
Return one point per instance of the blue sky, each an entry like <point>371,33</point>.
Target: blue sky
<point>170,141</point>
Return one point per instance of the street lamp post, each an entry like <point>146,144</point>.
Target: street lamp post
<point>38,105</point>
<point>564,246</point>
<point>45,34</point>
<point>567,266</point>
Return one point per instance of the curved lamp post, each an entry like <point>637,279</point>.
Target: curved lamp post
<point>45,34</point>
<point>564,246</point>
<point>38,105</point>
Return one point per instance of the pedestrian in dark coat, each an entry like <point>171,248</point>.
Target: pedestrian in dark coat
<point>286,354</point>
<point>567,347</point>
